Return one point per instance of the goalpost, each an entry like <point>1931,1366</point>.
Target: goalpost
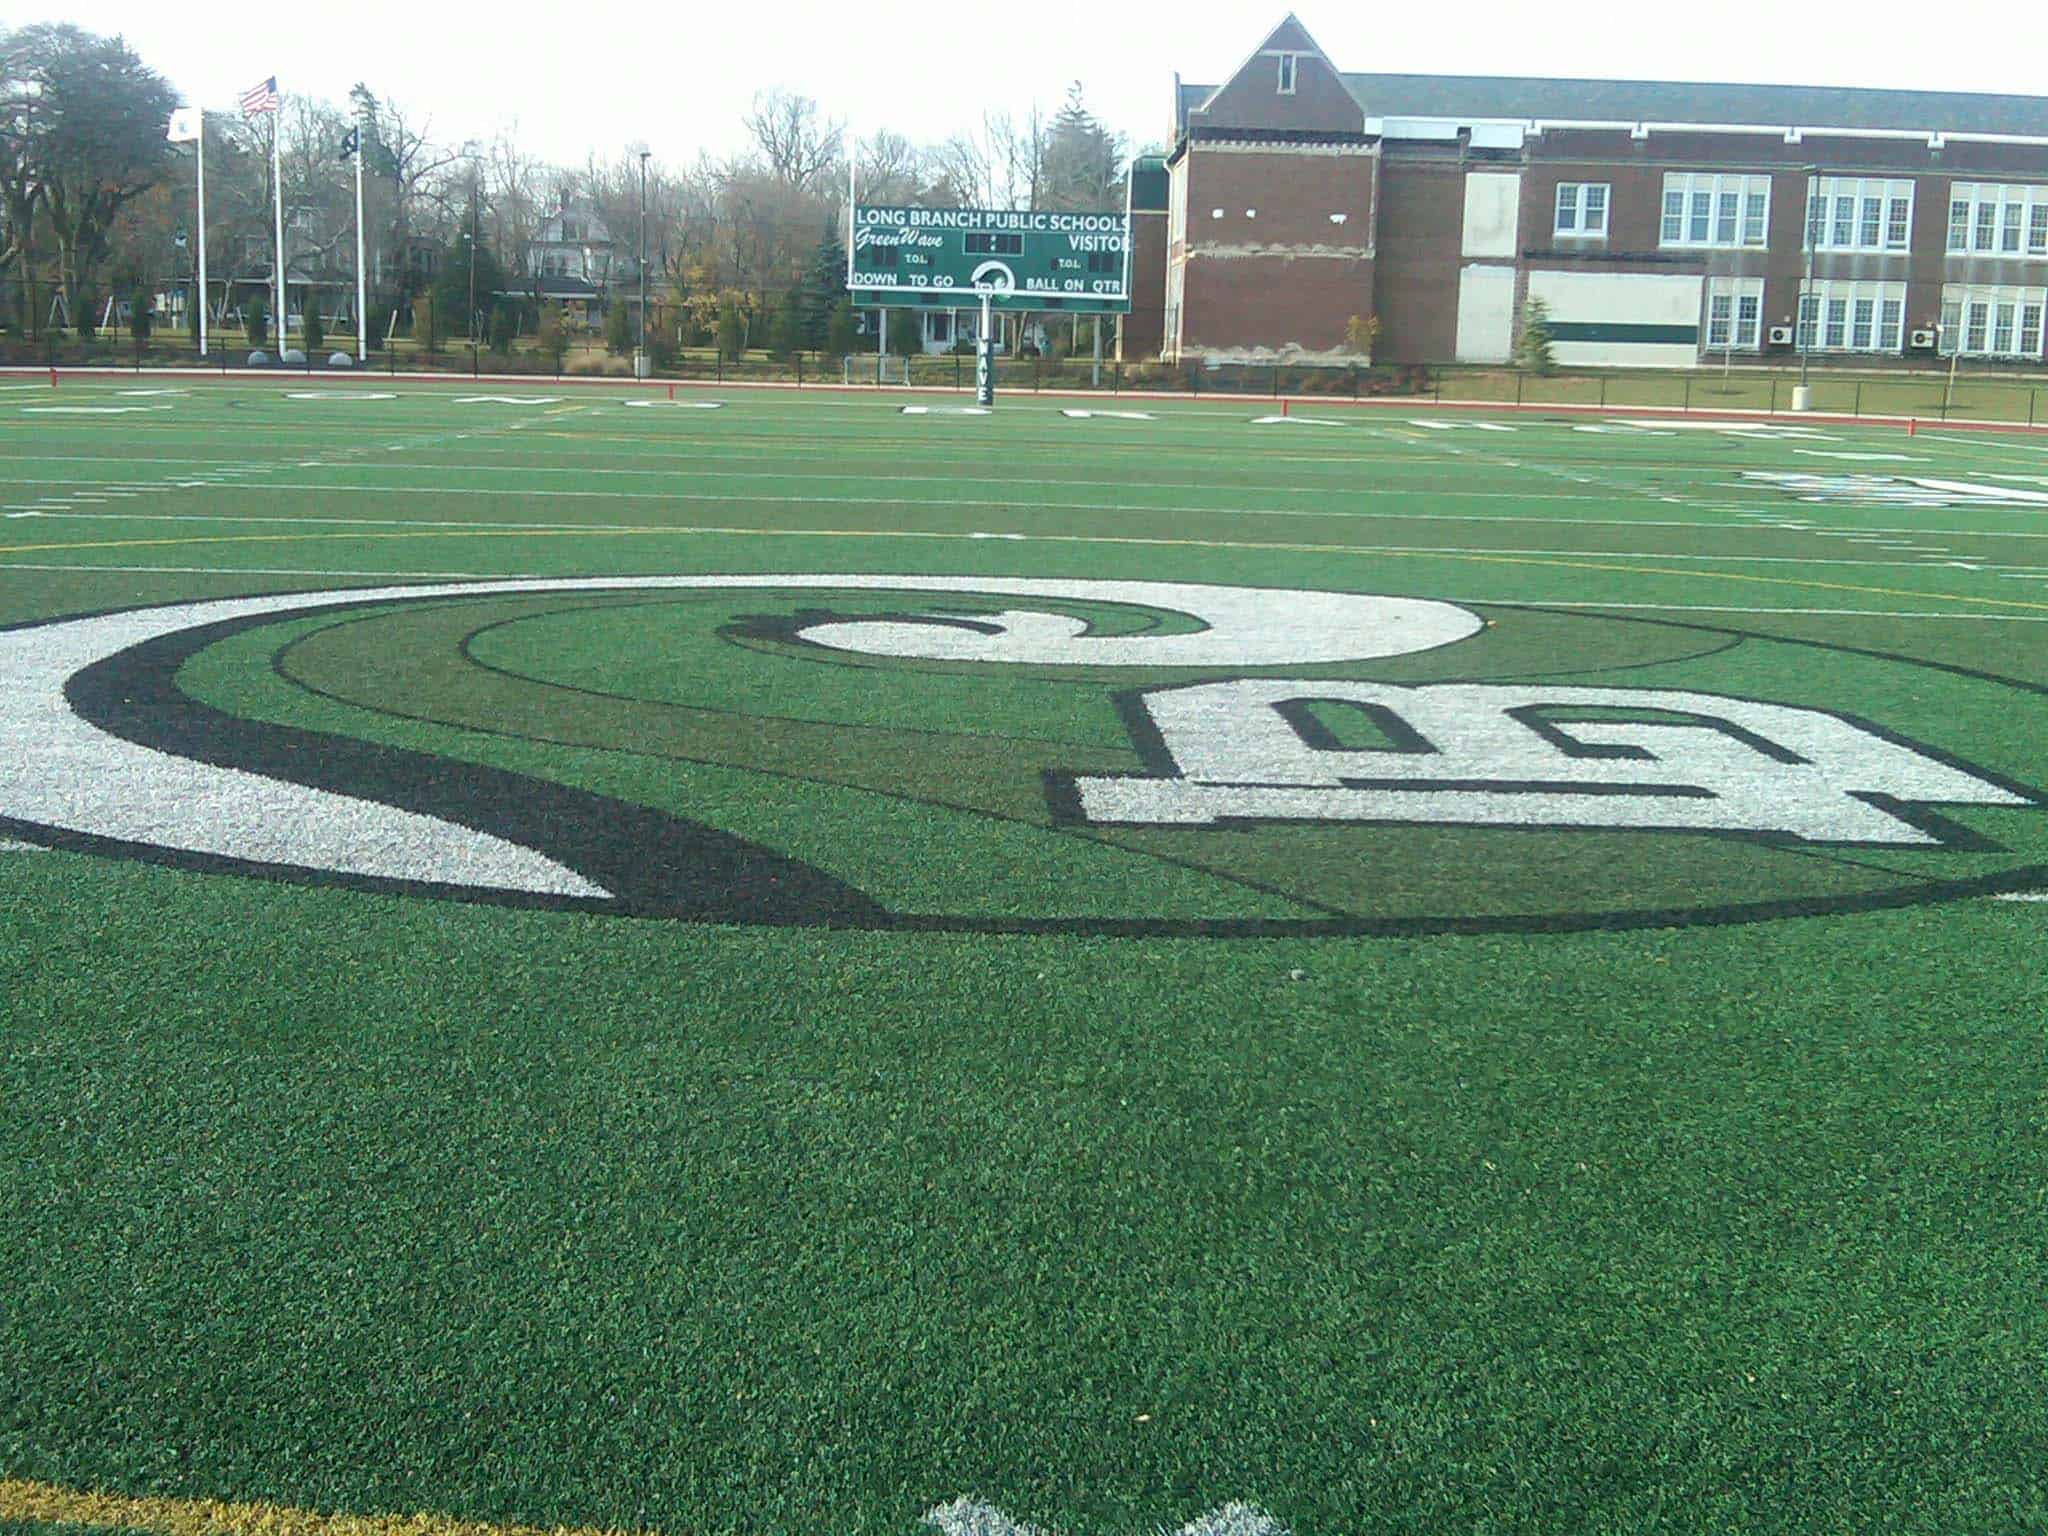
<point>879,369</point>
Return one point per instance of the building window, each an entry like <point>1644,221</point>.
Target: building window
<point>1992,322</point>
<point>1287,68</point>
<point>1754,211</point>
<point>1846,214</point>
<point>1582,210</point>
<point>1735,307</point>
<point>1852,317</point>
<point>1986,218</point>
<point>1715,212</point>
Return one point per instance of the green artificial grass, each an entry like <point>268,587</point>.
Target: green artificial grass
<point>373,1202</point>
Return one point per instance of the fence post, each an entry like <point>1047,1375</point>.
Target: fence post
<point>1603,391</point>
<point>1772,408</point>
<point>1116,378</point>
<point>1518,387</point>
<point>2030,407</point>
<point>1856,405</point>
<point>1276,381</point>
<point>1034,375</point>
<point>1688,393</point>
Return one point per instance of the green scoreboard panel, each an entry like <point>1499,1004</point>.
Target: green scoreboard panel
<point>1075,263</point>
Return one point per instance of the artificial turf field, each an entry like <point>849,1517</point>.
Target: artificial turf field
<point>737,1062</point>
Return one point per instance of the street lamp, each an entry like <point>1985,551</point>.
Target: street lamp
<point>640,368</point>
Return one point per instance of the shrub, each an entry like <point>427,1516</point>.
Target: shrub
<point>504,327</point>
<point>315,333</point>
<point>256,319</point>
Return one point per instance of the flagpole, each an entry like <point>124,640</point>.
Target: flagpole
<point>362,307</point>
<point>202,233</point>
<point>277,185</point>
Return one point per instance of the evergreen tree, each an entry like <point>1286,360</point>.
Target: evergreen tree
<point>452,287</point>
<point>1083,162</point>
<point>786,335</point>
<point>825,290</point>
<point>841,329</point>
<point>1532,351</point>
<point>554,336</point>
<point>619,330</point>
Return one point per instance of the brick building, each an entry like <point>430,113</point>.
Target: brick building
<point>1662,224</point>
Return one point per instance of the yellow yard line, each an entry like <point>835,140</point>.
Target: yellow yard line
<point>48,1504</point>
<point>1800,583</point>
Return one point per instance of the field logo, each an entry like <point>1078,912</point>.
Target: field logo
<point>1012,754</point>
<point>1469,754</point>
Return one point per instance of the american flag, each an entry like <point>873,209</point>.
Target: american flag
<point>259,99</point>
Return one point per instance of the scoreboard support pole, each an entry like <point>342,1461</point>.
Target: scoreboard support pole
<point>985,353</point>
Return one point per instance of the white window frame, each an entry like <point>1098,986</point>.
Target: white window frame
<point>1701,208</point>
<point>2004,221</point>
<point>1847,213</point>
<point>1986,321</point>
<point>1290,70</point>
<point>1862,317</point>
<point>1734,315</point>
<point>1582,202</point>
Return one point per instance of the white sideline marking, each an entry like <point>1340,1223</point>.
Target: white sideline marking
<point>1454,426</point>
<point>8,845</point>
<point>152,391</point>
<point>1304,421</point>
<point>1895,458</point>
<point>1746,428</point>
<point>2024,896</point>
<point>676,405</point>
<point>339,394</point>
<point>89,410</point>
<point>1114,415</point>
<point>508,399</point>
<point>945,410</point>
<point>971,1517</point>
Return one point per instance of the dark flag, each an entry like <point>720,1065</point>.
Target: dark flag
<point>351,142</point>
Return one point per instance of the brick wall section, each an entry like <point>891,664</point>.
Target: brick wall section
<point>1421,227</point>
<point>1144,329</point>
<point>1274,276</point>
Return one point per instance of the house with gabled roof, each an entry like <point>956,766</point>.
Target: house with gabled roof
<point>1660,223</point>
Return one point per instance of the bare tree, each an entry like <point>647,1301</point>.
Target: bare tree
<point>1000,164</point>
<point>801,148</point>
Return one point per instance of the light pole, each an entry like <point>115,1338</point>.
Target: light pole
<point>1802,398</point>
<point>640,368</point>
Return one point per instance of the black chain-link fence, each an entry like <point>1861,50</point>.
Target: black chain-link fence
<point>31,335</point>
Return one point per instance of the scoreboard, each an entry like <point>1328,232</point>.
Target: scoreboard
<point>1071,263</point>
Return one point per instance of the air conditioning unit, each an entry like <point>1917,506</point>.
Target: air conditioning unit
<point>1781,335</point>
<point>1923,340</point>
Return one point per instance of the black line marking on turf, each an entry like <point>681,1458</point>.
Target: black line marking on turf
<point>1920,893</point>
<point>1082,832</point>
<point>655,864</point>
<point>468,654</point>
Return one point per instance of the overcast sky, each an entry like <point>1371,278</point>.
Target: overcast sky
<point>603,74</point>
